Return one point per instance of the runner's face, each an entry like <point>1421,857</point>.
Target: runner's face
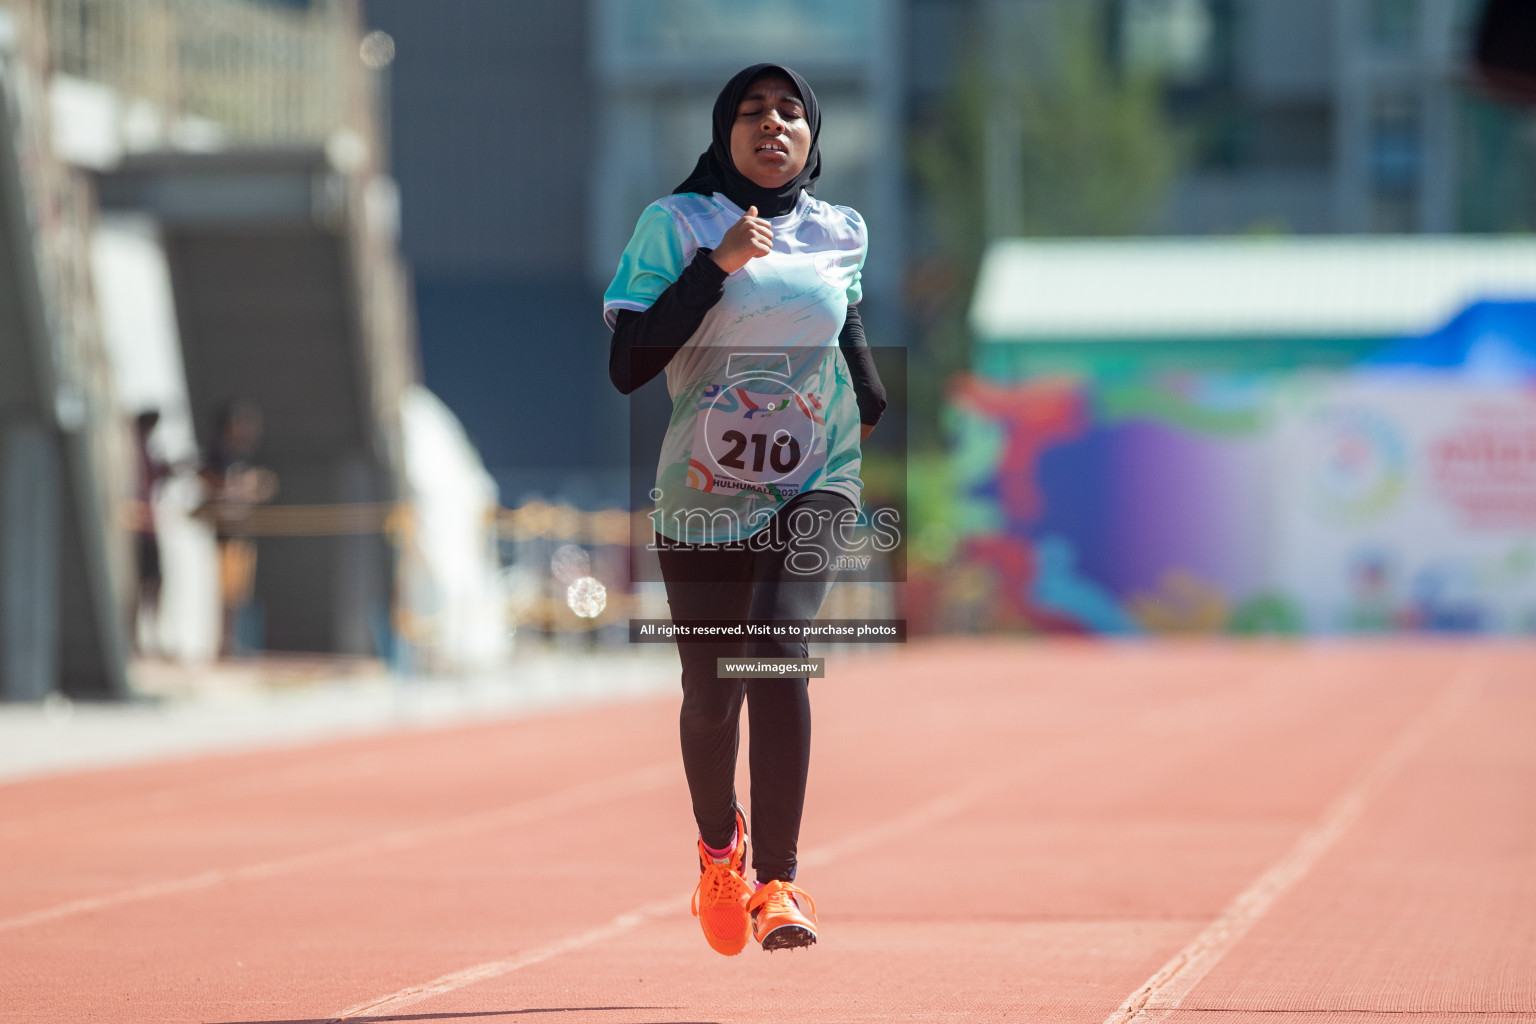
<point>771,137</point>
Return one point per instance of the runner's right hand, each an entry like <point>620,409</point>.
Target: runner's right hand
<point>745,240</point>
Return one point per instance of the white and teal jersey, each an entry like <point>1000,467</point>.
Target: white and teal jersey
<point>762,404</point>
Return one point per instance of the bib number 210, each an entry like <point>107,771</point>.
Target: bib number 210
<point>750,441</point>
<point>783,453</point>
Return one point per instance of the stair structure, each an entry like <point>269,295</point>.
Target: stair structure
<point>249,135</point>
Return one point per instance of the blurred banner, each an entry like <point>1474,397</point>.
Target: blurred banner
<point>1246,436</point>
<point>1345,501</point>
<point>1119,507</point>
<point>1408,505</point>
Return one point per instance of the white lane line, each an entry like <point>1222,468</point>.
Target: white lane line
<point>309,775</point>
<point>627,921</point>
<point>944,806</point>
<point>937,809</point>
<point>1161,994</point>
<point>584,795</point>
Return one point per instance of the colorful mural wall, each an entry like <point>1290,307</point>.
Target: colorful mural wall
<point>1246,503</point>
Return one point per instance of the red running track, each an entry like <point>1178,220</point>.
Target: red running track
<point>995,831</point>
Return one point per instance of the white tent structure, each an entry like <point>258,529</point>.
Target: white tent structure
<point>450,587</point>
<point>1150,289</point>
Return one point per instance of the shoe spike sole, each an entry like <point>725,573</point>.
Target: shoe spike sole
<point>789,936</point>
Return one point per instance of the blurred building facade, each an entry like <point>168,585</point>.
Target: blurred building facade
<point>1202,435</point>
<point>492,114</point>
<point>1329,426</point>
<point>529,137</point>
<point>198,216</point>
<point>251,149</point>
<point>1304,116</point>
<point>1343,115</point>
<point>528,141</point>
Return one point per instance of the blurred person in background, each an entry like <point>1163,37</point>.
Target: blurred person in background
<point>741,263</point>
<point>232,487</point>
<point>152,471</point>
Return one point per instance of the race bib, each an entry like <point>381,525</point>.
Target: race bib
<point>748,441</point>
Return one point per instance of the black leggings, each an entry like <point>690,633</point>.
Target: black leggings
<point>708,581</point>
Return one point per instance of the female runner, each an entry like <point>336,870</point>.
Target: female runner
<point>742,287</point>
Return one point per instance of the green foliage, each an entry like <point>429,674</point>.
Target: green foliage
<point>1267,615</point>
<point>1096,157</point>
<point>1497,154</point>
<point>1098,154</point>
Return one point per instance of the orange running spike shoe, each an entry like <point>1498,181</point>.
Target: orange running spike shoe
<point>720,900</point>
<point>777,920</point>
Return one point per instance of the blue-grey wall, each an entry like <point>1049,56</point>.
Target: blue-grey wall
<point>491,133</point>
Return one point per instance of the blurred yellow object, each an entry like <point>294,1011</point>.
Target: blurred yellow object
<point>590,605</point>
<point>540,519</point>
<point>1183,603</point>
<point>237,571</point>
<point>303,520</point>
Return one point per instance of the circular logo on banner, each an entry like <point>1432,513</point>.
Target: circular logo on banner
<point>1361,465</point>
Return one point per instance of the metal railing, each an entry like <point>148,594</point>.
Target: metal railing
<point>244,75</point>
<point>261,74</point>
<point>255,75</point>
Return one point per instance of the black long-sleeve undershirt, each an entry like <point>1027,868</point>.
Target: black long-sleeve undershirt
<point>867,389</point>
<point>644,342</point>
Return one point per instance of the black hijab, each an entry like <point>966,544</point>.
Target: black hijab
<point>716,171</point>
